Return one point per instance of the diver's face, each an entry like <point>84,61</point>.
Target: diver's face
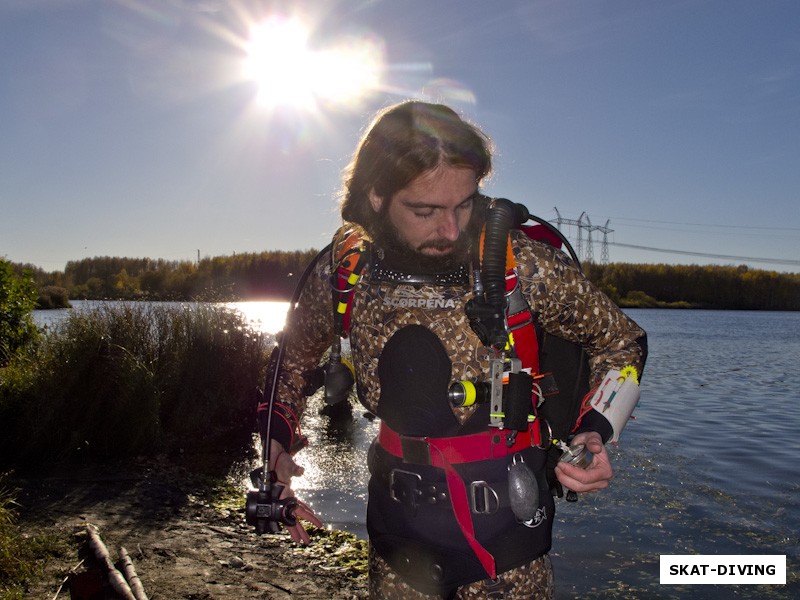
<point>432,212</point>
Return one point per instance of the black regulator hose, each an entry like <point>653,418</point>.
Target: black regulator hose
<point>502,216</point>
<point>264,507</point>
<point>273,387</point>
<point>564,241</point>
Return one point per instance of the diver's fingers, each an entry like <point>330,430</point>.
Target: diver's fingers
<point>303,511</point>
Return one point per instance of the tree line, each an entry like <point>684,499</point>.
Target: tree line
<point>693,286</point>
<point>272,275</point>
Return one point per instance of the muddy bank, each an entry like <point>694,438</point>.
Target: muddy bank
<point>185,539</point>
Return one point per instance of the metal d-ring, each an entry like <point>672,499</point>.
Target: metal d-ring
<point>543,445</point>
<point>332,282</point>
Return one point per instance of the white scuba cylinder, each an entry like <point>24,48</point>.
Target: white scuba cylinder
<point>616,397</point>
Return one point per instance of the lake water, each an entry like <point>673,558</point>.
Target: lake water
<point>709,466</point>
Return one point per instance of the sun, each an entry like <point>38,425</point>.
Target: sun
<point>289,72</point>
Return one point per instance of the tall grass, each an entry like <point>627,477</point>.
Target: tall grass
<point>129,379</point>
<point>22,556</point>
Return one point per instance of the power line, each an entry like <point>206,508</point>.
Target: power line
<point>754,233</point>
<point>588,227</point>
<point>707,224</point>
<point>774,261</point>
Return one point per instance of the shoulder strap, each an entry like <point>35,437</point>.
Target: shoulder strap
<point>350,256</point>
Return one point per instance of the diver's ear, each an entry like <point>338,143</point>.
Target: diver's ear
<point>375,200</point>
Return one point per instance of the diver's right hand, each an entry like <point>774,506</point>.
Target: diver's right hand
<point>282,463</point>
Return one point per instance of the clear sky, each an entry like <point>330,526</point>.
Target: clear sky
<point>164,128</point>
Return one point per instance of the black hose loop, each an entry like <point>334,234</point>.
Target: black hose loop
<point>502,216</point>
<point>271,389</point>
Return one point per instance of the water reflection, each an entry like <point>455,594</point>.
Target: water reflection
<point>266,317</point>
<point>335,463</point>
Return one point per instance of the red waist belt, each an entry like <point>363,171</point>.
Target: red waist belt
<point>446,452</point>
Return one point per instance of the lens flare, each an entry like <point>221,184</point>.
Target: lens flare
<point>288,71</point>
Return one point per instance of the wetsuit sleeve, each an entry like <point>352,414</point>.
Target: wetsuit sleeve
<point>307,335</point>
<point>572,307</point>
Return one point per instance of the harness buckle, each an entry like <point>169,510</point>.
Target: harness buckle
<point>404,487</point>
<point>416,451</point>
<point>483,500</point>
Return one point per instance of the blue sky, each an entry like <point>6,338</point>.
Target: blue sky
<point>128,128</point>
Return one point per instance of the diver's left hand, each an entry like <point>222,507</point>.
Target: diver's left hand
<point>596,476</point>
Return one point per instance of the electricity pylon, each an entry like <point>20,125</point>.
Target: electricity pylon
<point>588,255</point>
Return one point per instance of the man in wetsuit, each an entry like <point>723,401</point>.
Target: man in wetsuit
<point>439,516</point>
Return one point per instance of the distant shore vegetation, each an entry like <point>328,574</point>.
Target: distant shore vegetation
<point>272,275</point>
<point>695,286</point>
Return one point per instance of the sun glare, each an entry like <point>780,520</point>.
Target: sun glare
<point>289,72</point>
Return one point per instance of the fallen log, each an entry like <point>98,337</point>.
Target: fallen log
<point>130,575</point>
<point>115,578</point>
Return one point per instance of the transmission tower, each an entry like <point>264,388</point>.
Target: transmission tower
<point>588,255</point>
<point>605,231</point>
<point>578,223</point>
<point>589,245</point>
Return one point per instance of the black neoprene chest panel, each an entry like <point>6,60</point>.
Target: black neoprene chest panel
<point>414,372</point>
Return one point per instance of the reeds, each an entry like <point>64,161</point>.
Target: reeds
<point>126,379</point>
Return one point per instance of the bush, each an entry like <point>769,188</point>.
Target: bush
<point>52,296</point>
<point>129,379</point>
<point>17,301</point>
<point>638,299</point>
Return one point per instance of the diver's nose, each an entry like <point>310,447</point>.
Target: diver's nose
<point>448,226</point>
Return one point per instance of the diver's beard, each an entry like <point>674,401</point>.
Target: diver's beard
<point>399,256</point>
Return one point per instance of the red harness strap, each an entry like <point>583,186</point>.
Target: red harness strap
<point>519,317</point>
<point>520,324</point>
<point>446,452</point>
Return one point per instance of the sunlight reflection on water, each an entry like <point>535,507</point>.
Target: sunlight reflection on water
<point>266,317</point>
<point>334,481</point>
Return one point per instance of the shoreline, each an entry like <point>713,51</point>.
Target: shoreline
<point>183,543</point>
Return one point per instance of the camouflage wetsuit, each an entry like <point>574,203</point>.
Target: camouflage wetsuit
<point>409,341</point>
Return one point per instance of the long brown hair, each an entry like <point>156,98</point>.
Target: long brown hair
<point>403,142</point>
